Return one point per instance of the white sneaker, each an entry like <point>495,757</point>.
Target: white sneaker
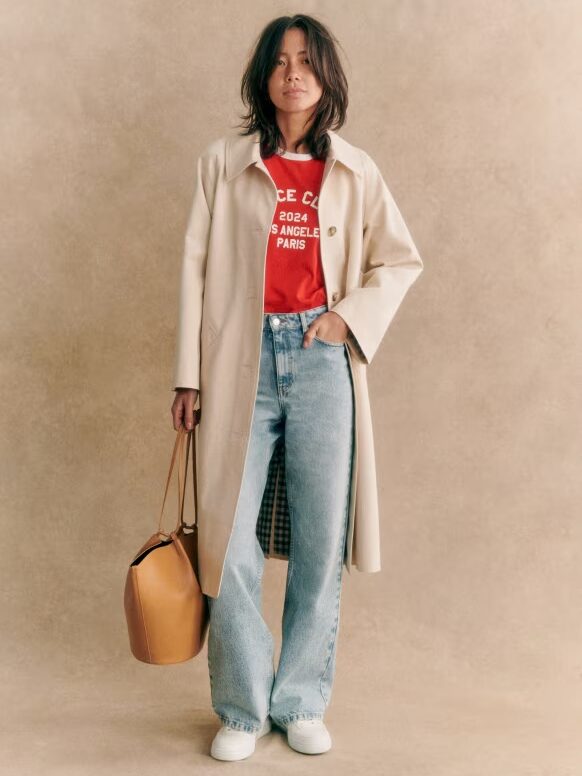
<point>232,744</point>
<point>309,736</point>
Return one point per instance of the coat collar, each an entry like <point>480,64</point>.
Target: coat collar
<point>242,150</point>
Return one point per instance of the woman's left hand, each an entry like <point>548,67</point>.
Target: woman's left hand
<point>328,326</point>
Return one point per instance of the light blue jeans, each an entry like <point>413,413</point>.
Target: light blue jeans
<point>306,395</point>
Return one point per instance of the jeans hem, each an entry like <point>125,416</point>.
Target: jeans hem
<point>239,724</point>
<point>293,716</point>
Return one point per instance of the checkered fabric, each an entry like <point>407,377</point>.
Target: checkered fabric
<point>274,507</point>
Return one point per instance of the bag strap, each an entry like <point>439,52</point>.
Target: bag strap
<point>190,438</point>
<point>181,436</point>
<point>178,442</point>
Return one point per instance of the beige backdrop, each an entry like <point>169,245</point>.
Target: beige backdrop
<point>463,657</point>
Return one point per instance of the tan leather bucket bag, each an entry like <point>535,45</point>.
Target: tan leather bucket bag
<point>167,613</point>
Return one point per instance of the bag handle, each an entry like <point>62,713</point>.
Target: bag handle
<point>181,435</point>
<point>190,438</point>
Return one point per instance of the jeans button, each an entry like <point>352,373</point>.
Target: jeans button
<point>276,321</point>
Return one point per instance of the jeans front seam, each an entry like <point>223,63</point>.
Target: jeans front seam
<point>290,560</point>
<point>259,572</point>
<point>333,640</point>
<point>338,599</point>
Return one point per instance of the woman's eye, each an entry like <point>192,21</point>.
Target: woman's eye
<point>282,62</point>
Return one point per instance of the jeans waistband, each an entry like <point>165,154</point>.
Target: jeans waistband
<point>298,320</point>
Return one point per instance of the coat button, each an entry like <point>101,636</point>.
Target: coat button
<point>334,296</point>
<point>331,231</point>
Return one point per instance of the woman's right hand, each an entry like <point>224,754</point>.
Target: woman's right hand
<point>183,409</point>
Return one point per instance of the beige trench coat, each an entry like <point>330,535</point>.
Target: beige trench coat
<point>369,263</point>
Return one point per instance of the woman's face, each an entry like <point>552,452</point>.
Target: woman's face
<point>293,86</point>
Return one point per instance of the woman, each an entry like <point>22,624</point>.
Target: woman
<point>288,221</point>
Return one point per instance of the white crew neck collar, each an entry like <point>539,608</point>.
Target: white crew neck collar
<point>294,155</point>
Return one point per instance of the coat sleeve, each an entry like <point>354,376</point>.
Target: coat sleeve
<point>390,265</point>
<point>193,272</point>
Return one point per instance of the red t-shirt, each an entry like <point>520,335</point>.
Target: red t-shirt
<point>293,274</point>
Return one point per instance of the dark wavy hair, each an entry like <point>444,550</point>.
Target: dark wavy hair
<point>330,111</point>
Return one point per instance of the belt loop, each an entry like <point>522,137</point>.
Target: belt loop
<point>304,324</point>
